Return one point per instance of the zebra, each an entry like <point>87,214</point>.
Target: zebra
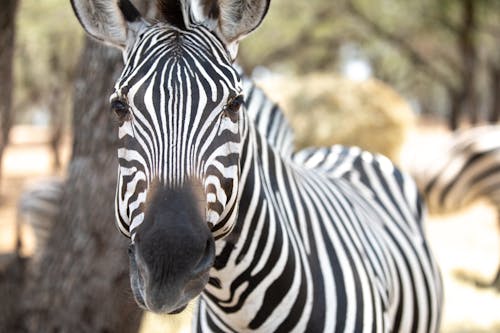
<point>468,169</point>
<point>268,117</point>
<point>38,207</point>
<point>213,207</point>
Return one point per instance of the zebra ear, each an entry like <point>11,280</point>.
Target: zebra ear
<point>234,19</point>
<point>110,21</point>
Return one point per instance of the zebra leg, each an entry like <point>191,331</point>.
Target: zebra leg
<point>495,283</point>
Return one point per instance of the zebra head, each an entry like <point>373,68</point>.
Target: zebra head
<point>178,104</point>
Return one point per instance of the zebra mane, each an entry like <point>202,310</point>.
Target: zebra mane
<point>175,12</point>
<point>232,19</point>
<point>210,8</point>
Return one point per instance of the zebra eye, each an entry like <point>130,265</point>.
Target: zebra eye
<point>234,104</point>
<point>120,108</point>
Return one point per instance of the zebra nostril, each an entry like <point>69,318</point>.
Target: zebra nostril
<point>207,259</point>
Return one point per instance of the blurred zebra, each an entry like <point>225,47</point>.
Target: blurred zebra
<point>38,207</point>
<point>468,169</point>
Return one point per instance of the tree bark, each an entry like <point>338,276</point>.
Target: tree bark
<point>12,277</point>
<point>7,33</point>
<point>81,282</point>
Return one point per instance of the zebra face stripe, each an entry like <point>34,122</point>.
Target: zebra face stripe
<point>182,124</point>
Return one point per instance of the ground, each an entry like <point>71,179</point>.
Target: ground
<point>467,241</point>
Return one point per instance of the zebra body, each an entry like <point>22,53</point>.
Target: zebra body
<point>38,206</point>
<point>216,204</point>
<point>349,251</point>
<point>468,169</point>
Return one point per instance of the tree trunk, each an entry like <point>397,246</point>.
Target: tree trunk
<point>7,32</point>
<point>56,106</point>
<point>463,100</point>
<point>457,99</point>
<point>12,266</point>
<point>81,282</point>
<point>12,276</point>
<point>467,48</point>
<point>494,114</point>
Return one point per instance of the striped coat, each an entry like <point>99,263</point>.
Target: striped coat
<point>215,203</point>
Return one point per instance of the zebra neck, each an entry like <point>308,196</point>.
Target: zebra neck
<point>245,264</point>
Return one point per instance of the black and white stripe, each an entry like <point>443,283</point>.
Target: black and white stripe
<point>348,231</point>
<point>268,118</point>
<point>468,169</point>
<point>326,240</point>
<point>38,206</point>
<point>196,143</point>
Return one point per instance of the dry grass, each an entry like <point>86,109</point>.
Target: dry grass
<point>328,109</point>
<point>466,241</point>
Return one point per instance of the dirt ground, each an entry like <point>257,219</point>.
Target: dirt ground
<point>465,243</point>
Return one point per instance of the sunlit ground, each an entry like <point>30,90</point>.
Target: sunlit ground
<point>464,242</point>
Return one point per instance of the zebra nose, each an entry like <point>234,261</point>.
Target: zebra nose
<point>206,260</point>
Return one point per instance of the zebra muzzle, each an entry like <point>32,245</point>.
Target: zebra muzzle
<point>172,253</point>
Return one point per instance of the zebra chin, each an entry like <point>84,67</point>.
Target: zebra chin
<point>166,299</point>
<point>172,253</point>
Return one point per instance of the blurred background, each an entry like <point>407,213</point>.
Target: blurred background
<point>394,77</point>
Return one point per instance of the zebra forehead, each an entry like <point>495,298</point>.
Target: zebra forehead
<point>162,49</point>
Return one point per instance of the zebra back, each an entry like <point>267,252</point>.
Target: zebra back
<point>468,169</point>
<point>372,174</point>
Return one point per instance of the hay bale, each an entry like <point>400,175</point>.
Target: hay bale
<point>328,109</point>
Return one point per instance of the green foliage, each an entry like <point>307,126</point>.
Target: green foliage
<point>298,37</point>
<point>48,42</point>
<point>412,45</point>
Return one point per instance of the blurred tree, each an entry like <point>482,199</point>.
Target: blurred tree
<point>7,31</point>
<point>441,54</point>
<point>495,96</point>
<point>47,48</point>
<point>56,105</point>
<point>492,33</point>
<point>461,89</point>
<point>80,283</point>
